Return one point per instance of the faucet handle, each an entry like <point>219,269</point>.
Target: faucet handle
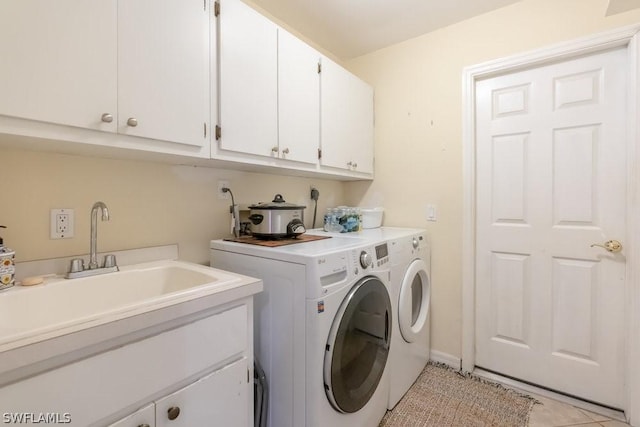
<point>110,261</point>
<point>77,265</point>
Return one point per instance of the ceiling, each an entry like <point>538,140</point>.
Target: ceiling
<point>350,28</point>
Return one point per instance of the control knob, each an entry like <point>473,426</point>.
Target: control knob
<point>415,243</point>
<point>365,259</point>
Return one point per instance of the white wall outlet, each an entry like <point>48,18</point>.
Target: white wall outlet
<point>222,184</point>
<point>432,213</point>
<point>62,223</point>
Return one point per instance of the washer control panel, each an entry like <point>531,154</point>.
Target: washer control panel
<point>382,254</point>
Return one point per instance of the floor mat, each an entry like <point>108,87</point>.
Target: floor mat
<point>444,397</point>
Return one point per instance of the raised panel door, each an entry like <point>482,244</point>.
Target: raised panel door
<point>551,183</point>
<point>59,61</point>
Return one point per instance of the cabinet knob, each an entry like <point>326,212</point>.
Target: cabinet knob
<point>107,118</point>
<point>133,122</point>
<point>173,412</point>
<point>285,151</point>
<point>274,150</point>
<point>355,165</point>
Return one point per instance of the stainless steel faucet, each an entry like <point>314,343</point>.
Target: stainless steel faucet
<point>93,250</point>
<point>78,268</point>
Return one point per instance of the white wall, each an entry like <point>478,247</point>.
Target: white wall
<point>418,103</point>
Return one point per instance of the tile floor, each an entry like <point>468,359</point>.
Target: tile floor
<point>552,413</point>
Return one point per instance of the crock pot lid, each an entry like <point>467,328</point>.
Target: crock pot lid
<point>278,202</point>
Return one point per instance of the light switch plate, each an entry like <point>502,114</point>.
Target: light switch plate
<point>432,213</point>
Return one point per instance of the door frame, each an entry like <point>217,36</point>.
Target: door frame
<point>623,37</point>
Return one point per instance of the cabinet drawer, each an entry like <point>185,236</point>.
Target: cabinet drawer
<point>102,385</point>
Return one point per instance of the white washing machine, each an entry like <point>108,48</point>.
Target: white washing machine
<point>323,328</point>
<point>411,296</point>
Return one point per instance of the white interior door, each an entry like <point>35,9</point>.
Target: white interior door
<point>551,181</point>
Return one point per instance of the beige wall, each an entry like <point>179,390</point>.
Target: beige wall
<point>150,203</point>
<point>418,103</point>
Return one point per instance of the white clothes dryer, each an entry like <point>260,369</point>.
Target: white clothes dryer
<point>411,296</point>
<point>323,326</point>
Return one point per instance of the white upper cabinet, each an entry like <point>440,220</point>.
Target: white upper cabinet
<point>269,88</point>
<point>131,67</point>
<point>347,120</point>
<point>248,80</point>
<point>59,61</point>
<point>163,70</point>
<point>298,99</point>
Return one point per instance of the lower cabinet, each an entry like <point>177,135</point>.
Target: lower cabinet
<point>197,371</point>
<point>220,398</point>
<point>144,417</point>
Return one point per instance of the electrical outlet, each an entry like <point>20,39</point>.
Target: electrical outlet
<point>223,196</point>
<point>315,194</point>
<point>62,223</point>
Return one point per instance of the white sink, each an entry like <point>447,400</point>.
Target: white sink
<point>63,306</point>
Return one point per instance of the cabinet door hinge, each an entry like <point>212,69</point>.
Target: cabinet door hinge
<point>319,153</point>
<point>216,8</point>
<point>319,68</point>
<point>205,4</point>
<point>218,132</point>
<point>247,376</point>
<point>205,130</point>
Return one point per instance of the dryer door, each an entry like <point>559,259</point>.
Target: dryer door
<point>358,346</point>
<point>415,296</point>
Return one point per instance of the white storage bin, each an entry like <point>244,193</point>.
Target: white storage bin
<point>371,218</point>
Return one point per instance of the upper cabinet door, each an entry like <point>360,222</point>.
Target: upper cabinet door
<point>59,61</point>
<point>248,80</point>
<point>346,119</point>
<point>298,99</point>
<point>163,70</point>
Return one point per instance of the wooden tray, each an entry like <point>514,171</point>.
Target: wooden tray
<point>278,242</point>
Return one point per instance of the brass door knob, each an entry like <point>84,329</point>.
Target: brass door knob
<point>612,246</point>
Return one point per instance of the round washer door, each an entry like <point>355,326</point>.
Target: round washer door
<point>358,345</point>
<point>413,305</point>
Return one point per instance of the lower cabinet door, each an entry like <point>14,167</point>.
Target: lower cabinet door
<point>144,417</point>
<point>219,399</point>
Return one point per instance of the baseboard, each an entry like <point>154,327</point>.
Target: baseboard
<point>446,358</point>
